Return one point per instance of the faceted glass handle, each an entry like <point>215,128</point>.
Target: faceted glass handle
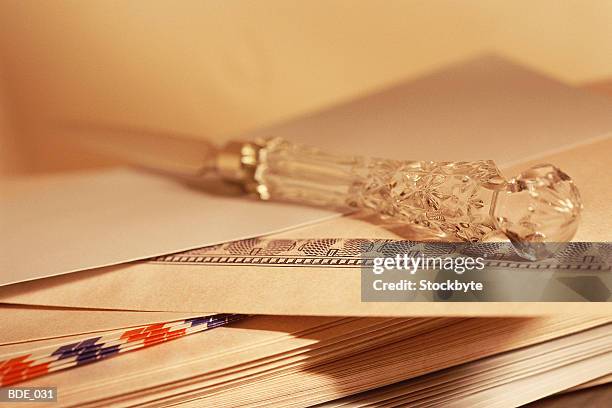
<point>467,201</point>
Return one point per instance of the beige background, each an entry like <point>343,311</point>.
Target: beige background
<point>217,68</point>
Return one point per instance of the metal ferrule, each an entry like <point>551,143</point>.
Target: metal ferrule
<point>237,161</point>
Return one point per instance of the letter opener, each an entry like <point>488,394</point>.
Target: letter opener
<point>459,200</point>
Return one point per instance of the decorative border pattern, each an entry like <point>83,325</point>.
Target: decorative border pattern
<point>358,253</point>
<point>23,367</point>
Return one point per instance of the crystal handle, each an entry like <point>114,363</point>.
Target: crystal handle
<point>468,201</point>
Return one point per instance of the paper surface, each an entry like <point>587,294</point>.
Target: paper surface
<point>485,108</point>
<point>58,224</point>
<point>522,376</point>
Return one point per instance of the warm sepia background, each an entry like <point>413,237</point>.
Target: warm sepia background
<point>218,68</point>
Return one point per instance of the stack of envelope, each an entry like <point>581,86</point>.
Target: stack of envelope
<point>301,361</point>
<point>123,288</point>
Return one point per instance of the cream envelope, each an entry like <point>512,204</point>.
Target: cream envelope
<point>485,108</point>
<point>38,323</point>
<point>65,223</point>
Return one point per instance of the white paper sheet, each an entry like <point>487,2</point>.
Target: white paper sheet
<point>65,223</point>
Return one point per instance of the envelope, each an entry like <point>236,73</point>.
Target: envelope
<point>307,290</point>
<point>267,353</point>
<point>484,108</point>
<point>64,223</point>
<point>37,323</point>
